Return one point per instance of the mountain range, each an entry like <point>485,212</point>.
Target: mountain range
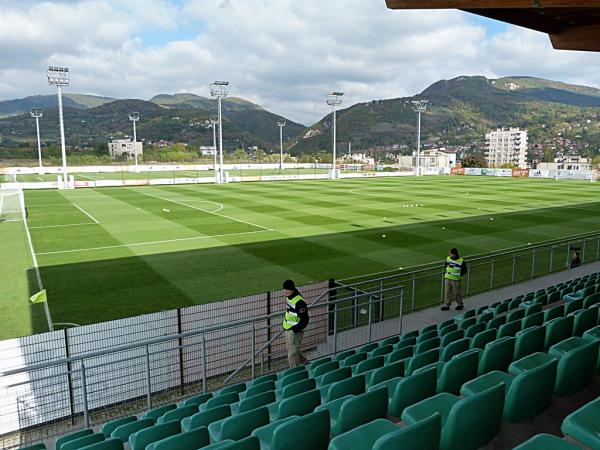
<point>460,111</point>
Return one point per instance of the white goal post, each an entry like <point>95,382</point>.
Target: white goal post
<point>12,205</point>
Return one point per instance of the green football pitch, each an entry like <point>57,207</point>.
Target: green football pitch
<point>115,252</point>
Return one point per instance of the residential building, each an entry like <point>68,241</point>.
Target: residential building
<point>207,151</point>
<point>568,162</point>
<point>430,157</point>
<point>506,146</point>
<point>124,147</point>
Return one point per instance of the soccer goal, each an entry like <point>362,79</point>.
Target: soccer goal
<point>12,205</point>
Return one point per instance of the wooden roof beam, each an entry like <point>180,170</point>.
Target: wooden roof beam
<point>488,4</point>
<point>585,38</point>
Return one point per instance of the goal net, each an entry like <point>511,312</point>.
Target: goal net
<point>12,205</point>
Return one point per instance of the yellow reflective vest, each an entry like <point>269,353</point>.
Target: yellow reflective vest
<point>291,317</point>
<point>453,267</point>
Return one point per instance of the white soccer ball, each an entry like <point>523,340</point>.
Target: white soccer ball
<point>166,210</point>
<point>443,228</point>
<point>383,236</point>
<point>491,218</point>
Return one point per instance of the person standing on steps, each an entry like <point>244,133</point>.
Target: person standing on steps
<point>455,269</point>
<point>294,323</point>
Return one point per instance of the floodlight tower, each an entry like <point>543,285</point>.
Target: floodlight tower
<point>59,77</point>
<point>36,113</point>
<point>419,106</point>
<point>212,123</point>
<point>220,90</point>
<point>334,99</point>
<point>281,124</point>
<point>134,117</point>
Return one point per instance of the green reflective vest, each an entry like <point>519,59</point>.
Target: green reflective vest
<point>291,317</point>
<point>453,268</point>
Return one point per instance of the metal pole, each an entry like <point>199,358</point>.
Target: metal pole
<point>370,326</point>
<point>598,249</point>
<point>514,267</point>
<point>552,257</point>
<point>401,309</point>
<point>215,145</point>
<point>62,137</point>
<point>492,272</point>
<point>135,155</point>
<point>334,139</point>
<point>335,328</point>
<point>533,264</point>
<point>583,252</point>
<point>253,350</point>
<point>203,363</point>
<point>413,294</point>
<point>442,288</point>
<point>37,127</point>
<point>281,146</point>
<point>148,379</point>
<point>355,310</point>
<point>418,142</point>
<point>86,413</point>
<point>468,282</point>
<point>220,142</point>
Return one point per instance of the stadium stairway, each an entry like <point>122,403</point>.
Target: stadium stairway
<point>498,376</point>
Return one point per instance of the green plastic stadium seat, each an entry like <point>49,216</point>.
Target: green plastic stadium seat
<point>527,395</point>
<point>178,414</point>
<point>528,341</point>
<point>343,355</point>
<point>532,320</point>
<point>313,428</point>
<point>448,329</point>
<point>496,322</point>
<point>295,388</point>
<point>205,418</point>
<point>335,375</point>
<point>422,360</point>
<point>34,447</point>
<point>141,439</point>
<point>108,444</point>
<point>390,341</point>
<point>573,306</point>
<point>517,314</point>
<point>368,364</point>
<point>428,335</point>
<point>409,342</point>
<point>428,329</point>
<point>197,399</point>
<point>531,307</point>
<point>583,320</point>
<point>454,348</point>
<point>325,368</point>
<point>155,413</point>
<point>188,440</point>
<point>112,425</point>
<point>467,423</point>
<point>465,324</point>
<point>314,364</point>
<point>291,370</point>
<point>558,330</point>
<point>400,354</point>
<point>298,405</point>
<point>553,313</point>
<point>258,389</point>
<point>361,409</point>
<point>239,426</point>
<point>514,303</point>
<point>497,355</point>
<point>384,373</point>
<point>501,308</point>
<point>350,386</point>
<point>83,441</point>
<point>529,362</point>
<point>466,315</point>
<point>368,347</point>
<point>124,431</point>
<point>265,433</point>
<point>546,442</point>
<point>248,443</point>
<point>583,424</point>
<point>291,378</point>
<point>256,401</point>
<point>483,309</point>
<point>509,329</point>
<point>262,379</point>
<point>71,436</point>
<point>353,359</point>
<point>594,335</point>
<point>381,434</point>
<point>485,317</point>
<point>591,300</point>
<point>553,297</point>
<point>225,399</point>
<point>445,323</point>
<point>427,345</point>
<point>577,361</point>
<point>457,371</point>
<point>481,339</point>
<point>452,336</point>
<point>409,335</point>
<point>382,351</point>
<point>407,391</point>
<point>472,330</point>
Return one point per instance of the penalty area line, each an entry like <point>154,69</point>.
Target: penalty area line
<point>63,225</point>
<point>137,244</point>
<point>85,212</point>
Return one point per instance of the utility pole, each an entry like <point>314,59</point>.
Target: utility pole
<point>419,106</point>
<point>334,99</point>
<point>281,124</point>
<point>36,113</point>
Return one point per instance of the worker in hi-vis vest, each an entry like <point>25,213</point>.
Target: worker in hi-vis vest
<point>294,323</point>
<point>455,269</point>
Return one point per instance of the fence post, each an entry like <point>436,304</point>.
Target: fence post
<point>552,257</point>
<point>514,268</point>
<point>148,379</point>
<point>381,302</point>
<point>597,249</point>
<point>401,315</point>
<point>492,272</point>
<point>335,328</point>
<point>355,310</point>
<point>442,288</point>
<point>253,350</point>
<point>203,363</point>
<point>370,308</point>
<point>86,413</point>
<point>533,264</point>
<point>583,251</point>
<point>414,288</point>
<point>468,281</point>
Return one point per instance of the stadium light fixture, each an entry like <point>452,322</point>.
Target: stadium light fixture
<point>134,117</point>
<point>419,106</point>
<point>212,122</point>
<point>281,124</point>
<point>220,89</point>
<point>36,113</point>
<point>334,99</point>
<point>59,77</point>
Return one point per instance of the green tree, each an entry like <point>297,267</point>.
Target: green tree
<point>259,155</point>
<point>240,154</point>
<point>474,161</point>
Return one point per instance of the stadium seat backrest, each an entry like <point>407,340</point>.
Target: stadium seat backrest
<point>557,330</point>
<point>509,329</point>
<point>368,347</point>
<point>124,431</point>
<point>460,369</point>
<point>155,413</point>
<point>257,401</point>
<point>325,368</point>
<point>422,360</point>
<point>501,308</point>
<point>292,378</point>
<point>189,440</point>
<point>409,342</point>
<point>198,399</point>
<point>224,399</point>
<point>363,408</point>
<point>111,426</point>
<point>427,345</point>
<point>554,312</point>
<point>309,432</point>
<point>534,309</point>
<point>335,375</point>
<point>248,443</point>
<point>139,440</point>
<point>528,341</point>
<point>69,437</point>
<point>353,359</point>
<point>298,387</point>
<point>427,335</point>
<point>452,336</point>
<point>178,413</point>
<point>409,335</point>
<point>591,300</point>
<point>343,355</point>
<point>263,379</point>
<point>517,314</point>
<point>423,435</point>
<point>299,405</point>
<point>412,389</point>
<point>258,389</point>
<point>381,351</point>
<point>532,320</point>
<point>374,362</point>
<point>497,355</point>
<point>583,320</point>
<point>474,329</point>
<point>205,418</point>
<point>454,348</point>
<point>573,306</point>
<point>482,338</point>
<point>582,424</point>
<point>496,322</point>
<point>448,328</point>
<point>243,424</point>
<point>83,441</point>
<point>390,341</point>
<point>575,369</point>
<point>240,387</point>
<point>350,386</point>
<point>554,296</point>
<point>466,323</point>
<point>108,444</point>
<point>35,447</point>
<point>530,393</point>
<point>387,372</point>
<point>397,355</point>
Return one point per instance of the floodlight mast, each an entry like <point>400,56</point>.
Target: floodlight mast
<point>134,117</point>
<point>59,77</point>
<point>220,90</point>
<point>281,124</point>
<point>419,106</point>
<point>212,122</point>
<point>36,113</point>
<point>334,99</point>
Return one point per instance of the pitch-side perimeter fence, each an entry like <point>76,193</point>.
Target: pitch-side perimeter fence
<point>54,382</point>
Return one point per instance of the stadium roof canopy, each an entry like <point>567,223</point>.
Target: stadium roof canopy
<point>571,24</point>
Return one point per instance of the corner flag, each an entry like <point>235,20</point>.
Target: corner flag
<point>39,297</point>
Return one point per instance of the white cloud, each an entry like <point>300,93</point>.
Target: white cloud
<point>282,54</point>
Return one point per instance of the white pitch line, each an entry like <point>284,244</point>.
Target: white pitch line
<point>85,212</point>
<point>64,225</point>
<point>206,211</point>
<point>137,244</point>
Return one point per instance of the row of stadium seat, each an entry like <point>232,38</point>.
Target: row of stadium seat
<point>505,360</point>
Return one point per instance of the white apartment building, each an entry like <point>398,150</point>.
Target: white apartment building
<point>568,162</point>
<point>430,157</point>
<point>120,147</point>
<point>207,151</point>
<point>506,146</point>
